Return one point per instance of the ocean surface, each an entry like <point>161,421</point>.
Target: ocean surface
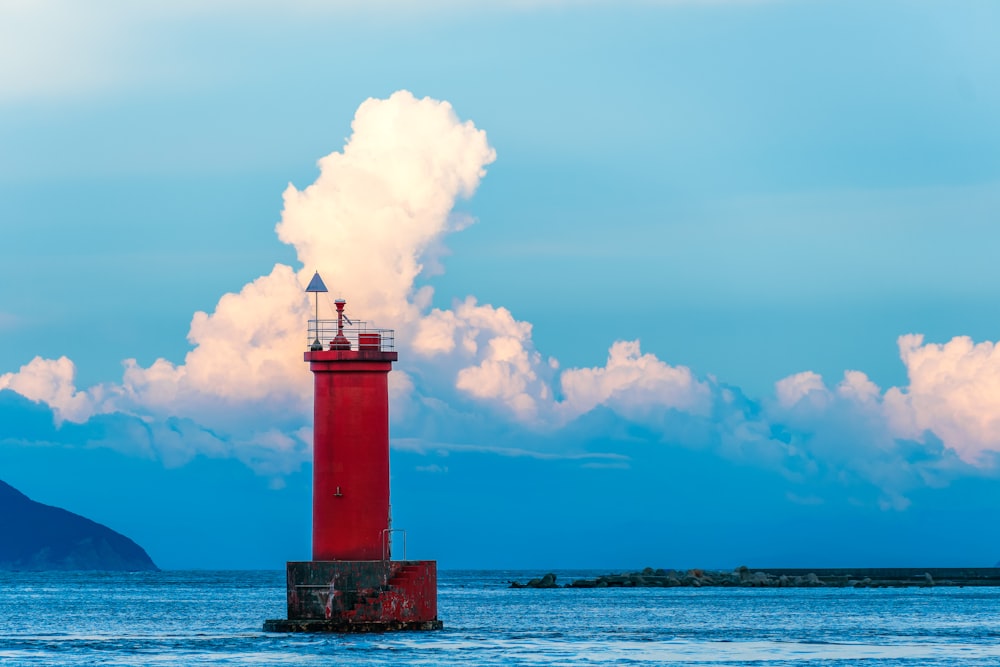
<point>214,618</point>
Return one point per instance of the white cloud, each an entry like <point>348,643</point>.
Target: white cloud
<point>51,381</point>
<point>504,373</point>
<point>632,383</point>
<point>794,388</point>
<point>245,354</point>
<point>275,453</point>
<point>953,392</point>
<point>944,423</point>
<point>379,206</point>
<point>366,224</point>
<point>493,358</point>
<point>422,446</point>
<point>490,353</point>
<point>373,222</point>
<point>857,387</point>
<point>843,435</point>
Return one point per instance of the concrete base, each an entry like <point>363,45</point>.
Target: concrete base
<point>282,625</point>
<point>360,596</point>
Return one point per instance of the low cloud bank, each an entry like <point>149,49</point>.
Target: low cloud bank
<point>375,221</point>
<point>952,399</point>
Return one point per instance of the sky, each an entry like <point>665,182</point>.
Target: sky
<point>677,283</point>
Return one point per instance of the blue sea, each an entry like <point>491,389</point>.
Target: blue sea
<point>214,618</point>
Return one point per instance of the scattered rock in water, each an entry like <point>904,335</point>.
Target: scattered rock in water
<point>742,576</point>
<point>547,581</point>
<point>808,581</point>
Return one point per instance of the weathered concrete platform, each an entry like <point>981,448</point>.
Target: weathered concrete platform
<point>359,596</point>
<point>340,626</point>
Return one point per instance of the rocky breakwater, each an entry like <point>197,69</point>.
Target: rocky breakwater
<point>746,578</point>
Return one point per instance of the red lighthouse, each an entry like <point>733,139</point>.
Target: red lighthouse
<point>352,584</point>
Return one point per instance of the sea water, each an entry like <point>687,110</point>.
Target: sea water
<point>214,618</point>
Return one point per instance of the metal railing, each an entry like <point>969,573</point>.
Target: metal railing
<point>359,336</point>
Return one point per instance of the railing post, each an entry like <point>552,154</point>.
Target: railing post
<point>387,541</point>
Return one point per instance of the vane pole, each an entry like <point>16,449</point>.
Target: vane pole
<point>316,286</point>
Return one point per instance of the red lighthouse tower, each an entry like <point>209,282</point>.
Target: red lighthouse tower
<point>352,584</point>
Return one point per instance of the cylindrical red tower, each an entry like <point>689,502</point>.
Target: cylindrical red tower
<point>351,448</point>
<point>352,584</point>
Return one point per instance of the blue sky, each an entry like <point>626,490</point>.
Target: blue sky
<point>680,223</point>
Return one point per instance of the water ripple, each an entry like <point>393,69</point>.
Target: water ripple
<point>214,618</point>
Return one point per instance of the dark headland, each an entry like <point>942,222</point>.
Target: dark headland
<point>783,578</point>
<point>36,537</point>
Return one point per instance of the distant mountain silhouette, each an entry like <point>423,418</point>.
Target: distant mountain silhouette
<point>36,537</point>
